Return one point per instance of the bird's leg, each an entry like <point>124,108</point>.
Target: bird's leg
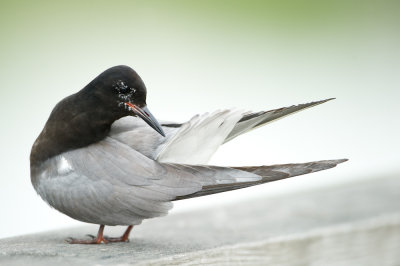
<point>123,238</point>
<point>94,240</point>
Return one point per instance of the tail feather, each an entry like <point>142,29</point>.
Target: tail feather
<point>254,120</point>
<point>268,174</point>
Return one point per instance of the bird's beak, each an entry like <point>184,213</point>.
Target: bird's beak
<point>145,114</point>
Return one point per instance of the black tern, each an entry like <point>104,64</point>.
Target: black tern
<point>103,158</point>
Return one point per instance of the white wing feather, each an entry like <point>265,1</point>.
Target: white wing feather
<point>199,138</point>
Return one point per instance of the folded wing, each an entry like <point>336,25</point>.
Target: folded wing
<point>268,174</point>
<point>110,183</point>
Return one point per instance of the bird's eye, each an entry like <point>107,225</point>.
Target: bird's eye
<point>124,90</point>
<point>121,87</point>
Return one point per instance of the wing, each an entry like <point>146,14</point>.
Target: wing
<point>254,120</point>
<point>110,183</point>
<point>268,174</point>
<point>195,141</point>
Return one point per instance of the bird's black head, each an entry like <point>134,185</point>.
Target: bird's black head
<point>86,116</point>
<point>123,92</point>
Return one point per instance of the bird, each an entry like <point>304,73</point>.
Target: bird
<point>103,158</point>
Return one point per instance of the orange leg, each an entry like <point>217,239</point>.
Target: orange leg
<point>123,238</point>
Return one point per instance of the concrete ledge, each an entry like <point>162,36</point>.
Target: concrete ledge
<point>372,242</point>
<point>351,224</point>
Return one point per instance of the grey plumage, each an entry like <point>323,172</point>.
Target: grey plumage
<point>110,183</point>
<point>124,179</point>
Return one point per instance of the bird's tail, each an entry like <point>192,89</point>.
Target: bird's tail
<point>268,173</point>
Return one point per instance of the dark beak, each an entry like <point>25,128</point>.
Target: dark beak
<point>145,114</point>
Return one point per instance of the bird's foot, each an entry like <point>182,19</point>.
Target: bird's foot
<point>100,238</point>
<point>92,240</point>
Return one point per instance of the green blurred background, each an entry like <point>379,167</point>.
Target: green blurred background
<point>198,56</point>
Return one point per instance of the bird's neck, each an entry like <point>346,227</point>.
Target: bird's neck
<point>72,125</point>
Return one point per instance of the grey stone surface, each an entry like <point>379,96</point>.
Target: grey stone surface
<point>342,225</point>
